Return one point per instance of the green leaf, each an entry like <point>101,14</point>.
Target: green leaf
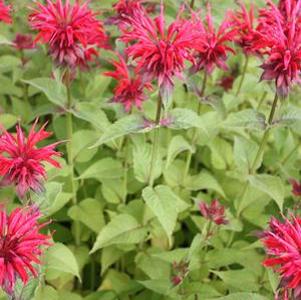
<point>109,256</point>
<point>9,62</point>
<point>124,126</point>
<point>177,145</point>
<point>46,293</point>
<point>104,169</point>
<point>270,185</point>
<point>89,212</point>
<point>242,280</point>
<point>159,286</point>
<point>123,229</point>
<point>243,296</point>
<point>247,118</point>
<point>8,120</point>
<point>60,258</point>
<point>4,40</point>
<point>92,114</point>
<point>183,118</point>
<point>54,90</point>
<point>165,205</point>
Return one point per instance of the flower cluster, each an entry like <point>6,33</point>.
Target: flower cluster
<point>72,31</point>
<point>282,242</point>
<point>214,212</point>
<point>21,245</point>
<point>5,12</point>
<point>22,163</point>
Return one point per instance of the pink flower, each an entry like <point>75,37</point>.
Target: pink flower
<point>213,49</point>
<point>248,38</point>
<point>214,212</point>
<point>5,12</point>
<point>283,33</point>
<point>296,187</point>
<point>71,30</point>
<point>282,242</point>
<point>23,41</point>
<point>125,10</point>
<point>22,163</point>
<point>161,53</point>
<point>129,90</point>
<point>20,245</point>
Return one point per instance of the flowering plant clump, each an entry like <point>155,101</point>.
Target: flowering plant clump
<point>173,135</point>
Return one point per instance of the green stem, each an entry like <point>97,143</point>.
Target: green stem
<point>194,135</point>
<point>125,176</point>
<point>260,151</point>
<point>192,4</point>
<point>69,125</point>
<point>155,142</point>
<point>243,75</point>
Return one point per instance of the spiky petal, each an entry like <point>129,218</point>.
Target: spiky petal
<point>72,31</point>
<point>21,245</point>
<point>22,162</point>
<point>5,12</point>
<point>214,212</point>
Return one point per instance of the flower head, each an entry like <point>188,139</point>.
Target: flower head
<point>5,12</point>
<point>160,53</point>
<point>283,33</point>
<point>20,245</point>
<point>282,242</point>
<point>125,11</point>
<point>248,37</point>
<point>23,41</point>
<point>213,49</point>
<point>71,30</point>
<point>129,90</point>
<point>214,212</point>
<point>22,162</point>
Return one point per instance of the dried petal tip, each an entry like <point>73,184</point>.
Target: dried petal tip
<point>72,31</point>
<point>214,212</point>
<point>5,12</point>
<point>21,245</point>
<point>22,163</point>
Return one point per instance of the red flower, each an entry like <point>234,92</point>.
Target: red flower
<point>125,11</point>
<point>213,49</point>
<point>282,242</point>
<point>23,41</point>
<point>72,31</point>
<point>296,187</point>
<point>227,82</point>
<point>248,38</point>
<point>22,163</point>
<point>214,212</point>
<point>161,53</point>
<point>5,12</point>
<point>283,33</point>
<point>20,245</point>
<point>130,88</point>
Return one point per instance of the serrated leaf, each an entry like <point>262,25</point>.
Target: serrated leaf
<point>104,169</point>
<point>122,127</point>
<point>177,145</point>
<point>54,90</point>
<point>270,185</point>
<point>123,229</point>
<point>247,118</point>
<point>89,212</point>
<point>165,205</point>
<point>59,257</point>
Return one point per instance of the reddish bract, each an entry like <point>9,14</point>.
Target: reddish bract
<point>23,41</point>
<point>22,163</point>
<point>214,212</point>
<point>72,31</point>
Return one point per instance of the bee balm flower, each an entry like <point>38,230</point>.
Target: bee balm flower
<point>214,212</point>
<point>21,245</point>
<point>282,242</point>
<point>71,30</point>
<point>22,162</point>
<point>5,12</point>
<point>130,88</point>
<point>160,53</point>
